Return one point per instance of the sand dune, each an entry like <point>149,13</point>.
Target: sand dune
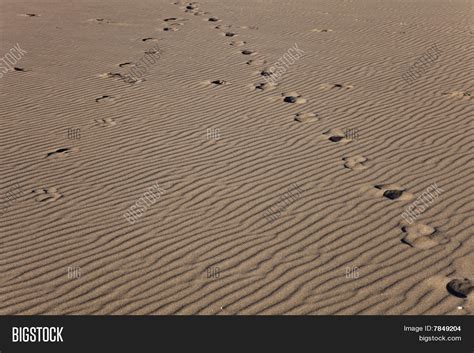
<point>89,124</point>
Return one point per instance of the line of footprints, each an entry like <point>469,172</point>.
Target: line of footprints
<point>417,235</point>
<point>420,236</point>
<point>171,24</point>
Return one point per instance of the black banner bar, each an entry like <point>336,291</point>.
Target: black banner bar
<point>245,333</point>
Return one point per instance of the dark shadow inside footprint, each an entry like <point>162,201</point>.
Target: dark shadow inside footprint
<point>103,98</point>
<point>247,52</point>
<point>170,19</point>
<point>218,82</point>
<point>335,138</point>
<point>460,287</point>
<point>59,150</point>
<point>19,69</point>
<point>32,15</point>
<point>213,19</point>
<point>126,64</point>
<point>289,99</point>
<point>229,34</point>
<point>393,194</point>
<point>338,85</point>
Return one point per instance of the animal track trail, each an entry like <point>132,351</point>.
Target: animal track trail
<point>61,152</point>
<point>47,194</point>
<point>422,236</point>
<point>355,162</point>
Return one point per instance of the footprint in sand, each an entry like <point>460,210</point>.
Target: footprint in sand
<point>256,62</point>
<point>20,69</point>
<point>29,15</point>
<point>222,26</point>
<point>118,76</point>
<point>292,97</point>
<point>101,21</point>
<point>337,136</point>
<point>213,19</point>
<point>355,162</point>
<point>393,192</point>
<point>215,83</point>
<point>106,122</point>
<point>46,194</point>
<point>105,99</point>
<point>171,28</point>
<point>61,152</point>
<point>229,34</point>
<point>321,30</point>
<point>264,86</point>
<point>150,39</point>
<point>248,52</point>
<point>174,19</point>
<point>459,95</point>
<point>337,86</point>
<point>460,288</point>
<point>304,117</point>
<point>422,236</point>
<point>127,64</point>
<point>237,43</point>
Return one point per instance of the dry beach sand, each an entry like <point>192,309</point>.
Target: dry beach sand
<point>207,243</point>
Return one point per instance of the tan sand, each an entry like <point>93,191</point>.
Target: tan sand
<point>340,133</point>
